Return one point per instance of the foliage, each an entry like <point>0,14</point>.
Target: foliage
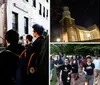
<point>77,49</point>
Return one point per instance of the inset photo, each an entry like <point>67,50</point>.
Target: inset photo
<point>74,64</point>
<point>75,21</point>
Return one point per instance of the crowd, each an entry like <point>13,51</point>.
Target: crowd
<point>25,65</point>
<point>69,70</point>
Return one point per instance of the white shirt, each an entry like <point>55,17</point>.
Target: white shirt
<point>97,63</point>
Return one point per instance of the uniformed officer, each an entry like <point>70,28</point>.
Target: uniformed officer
<point>32,76</point>
<point>9,59</point>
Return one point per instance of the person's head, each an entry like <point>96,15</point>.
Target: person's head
<point>96,57</point>
<point>89,59</point>
<point>51,57</point>
<point>21,37</point>
<point>74,57</point>
<point>58,57</point>
<point>66,60</point>
<point>29,39</point>
<point>37,30</point>
<point>12,37</point>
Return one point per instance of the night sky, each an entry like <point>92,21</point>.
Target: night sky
<point>85,12</point>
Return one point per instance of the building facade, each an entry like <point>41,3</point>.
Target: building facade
<point>2,26</point>
<point>70,32</point>
<point>22,14</point>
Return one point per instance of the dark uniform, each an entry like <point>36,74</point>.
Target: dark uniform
<point>43,64</point>
<point>32,76</point>
<point>8,64</point>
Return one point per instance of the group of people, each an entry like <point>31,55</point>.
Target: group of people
<point>25,65</point>
<point>69,70</point>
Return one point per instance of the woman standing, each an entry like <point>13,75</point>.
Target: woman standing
<point>74,64</point>
<point>58,64</point>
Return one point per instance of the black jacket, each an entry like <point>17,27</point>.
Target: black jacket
<point>43,63</point>
<point>36,48</point>
<point>8,64</point>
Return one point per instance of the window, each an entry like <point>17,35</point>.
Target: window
<point>26,25</point>
<point>34,3</point>
<point>47,14</point>
<point>40,12</point>
<point>92,36</point>
<point>43,11</point>
<point>46,0</point>
<point>15,21</point>
<point>73,38</point>
<point>85,37</point>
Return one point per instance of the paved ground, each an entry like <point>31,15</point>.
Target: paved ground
<point>79,81</point>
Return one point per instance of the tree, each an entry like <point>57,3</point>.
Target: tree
<point>76,49</point>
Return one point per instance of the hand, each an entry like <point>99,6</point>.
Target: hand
<point>85,72</point>
<point>69,73</point>
<point>60,80</point>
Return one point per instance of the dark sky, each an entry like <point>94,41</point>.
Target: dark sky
<point>85,12</point>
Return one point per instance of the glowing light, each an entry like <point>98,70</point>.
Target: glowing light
<point>58,39</point>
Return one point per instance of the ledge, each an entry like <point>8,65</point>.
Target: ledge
<point>66,17</point>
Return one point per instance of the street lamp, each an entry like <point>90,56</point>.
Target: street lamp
<point>58,39</point>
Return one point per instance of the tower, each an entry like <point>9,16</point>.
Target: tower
<point>68,28</point>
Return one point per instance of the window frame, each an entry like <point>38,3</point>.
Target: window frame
<point>26,26</point>
<point>40,9</point>
<point>43,11</point>
<point>15,22</point>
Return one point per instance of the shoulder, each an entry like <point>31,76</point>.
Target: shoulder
<point>93,60</point>
<point>7,55</point>
<point>62,66</point>
<point>69,65</point>
<point>85,65</point>
<point>92,64</point>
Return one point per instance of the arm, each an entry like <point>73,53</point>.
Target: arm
<point>70,72</point>
<point>60,75</point>
<point>84,71</point>
<point>93,68</point>
<point>55,64</point>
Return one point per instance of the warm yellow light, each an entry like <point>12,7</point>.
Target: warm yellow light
<point>58,39</point>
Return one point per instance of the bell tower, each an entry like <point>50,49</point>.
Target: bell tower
<point>68,28</point>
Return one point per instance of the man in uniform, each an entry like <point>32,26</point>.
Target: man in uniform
<point>32,75</point>
<point>9,59</point>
